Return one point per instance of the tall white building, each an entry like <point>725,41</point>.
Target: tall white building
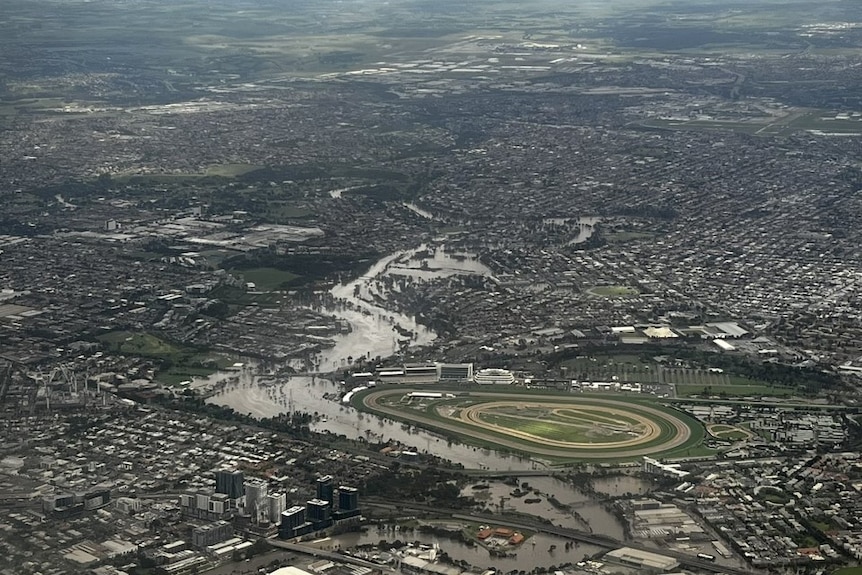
<point>276,504</point>
<point>256,491</point>
<point>493,376</point>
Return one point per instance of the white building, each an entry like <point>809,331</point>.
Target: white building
<point>276,504</point>
<point>493,376</point>
<point>255,498</point>
<point>655,466</point>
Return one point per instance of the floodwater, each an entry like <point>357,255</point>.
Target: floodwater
<point>586,227</point>
<point>418,211</point>
<point>535,552</point>
<point>586,515</point>
<point>267,396</point>
<point>375,330</point>
<point>621,485</point>
<point>425,263</point>
<point>539,551</point>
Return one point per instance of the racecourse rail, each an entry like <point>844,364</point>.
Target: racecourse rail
<point>656,424</point>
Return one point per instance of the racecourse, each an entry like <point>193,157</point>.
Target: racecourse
<point>568,427</point>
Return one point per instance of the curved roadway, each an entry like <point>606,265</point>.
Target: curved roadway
<point>538,446</point>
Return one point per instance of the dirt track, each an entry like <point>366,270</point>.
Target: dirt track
<point>473,427</point>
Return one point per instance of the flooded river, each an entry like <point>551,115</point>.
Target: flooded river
<point>376,330</point>
<point>266,396</point>
<point>621,485</point>
<point>538,551</point>
<point>586,227</point>
<point>586,514</point>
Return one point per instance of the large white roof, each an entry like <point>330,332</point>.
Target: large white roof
<point>290,571</point>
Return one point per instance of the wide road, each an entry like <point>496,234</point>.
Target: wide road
<point>681,432</point>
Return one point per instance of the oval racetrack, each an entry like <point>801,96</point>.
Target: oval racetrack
<point>616,429</point>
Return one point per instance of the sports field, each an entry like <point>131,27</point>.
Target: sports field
<point>559,427</point>
<point>729,432</point>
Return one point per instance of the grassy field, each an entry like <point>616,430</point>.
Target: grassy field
<point>214,171</point>
<point>728,432</point>
<point>848,571</point>
<point>688,382</point>
<point>555,430</point>
<point>182,363</point>
<point>143,344</point>
<point>591,416</point>
<point>238,298</point>
<point>266,279</point>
